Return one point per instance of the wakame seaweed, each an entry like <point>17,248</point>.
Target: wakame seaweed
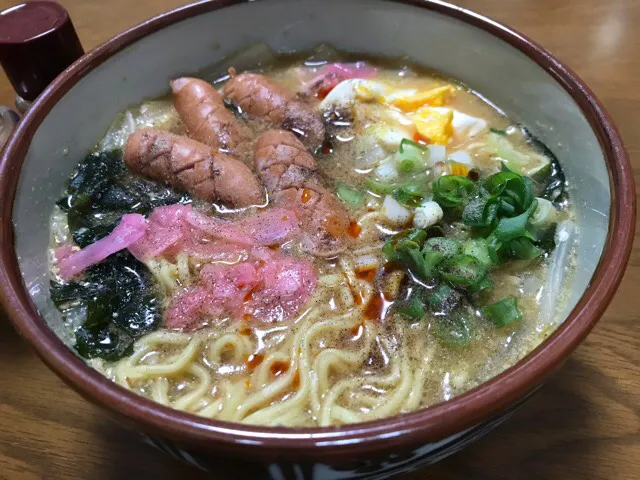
<point>121,301</point>
<point>119,294</point>
<point>553,189</point>
<point>102,190</point>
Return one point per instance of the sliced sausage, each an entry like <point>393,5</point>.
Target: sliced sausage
<point>263,98</point>
<point>193,167</point>
<point>289,173</point>
<point>202,110</point>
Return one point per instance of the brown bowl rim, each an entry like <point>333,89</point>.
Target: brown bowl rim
<point>422,426</point>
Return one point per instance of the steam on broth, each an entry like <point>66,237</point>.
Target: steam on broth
<point>313,243</point>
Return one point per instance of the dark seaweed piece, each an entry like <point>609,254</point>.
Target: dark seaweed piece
<point>547,240</point>
<point>444,299</point>
<point>116,197</point>
<point>105,342</point>
<point>122,304</point>
<point>553,186</point>
<point>65,293</point>
<point>88,224</point>
<point>130,292</point>
<point>149,195</point>
<point>95,173</point>
<point>102,190</point>
<point>93,176</point>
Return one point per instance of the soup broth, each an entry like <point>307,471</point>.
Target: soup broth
<point>417,246</point>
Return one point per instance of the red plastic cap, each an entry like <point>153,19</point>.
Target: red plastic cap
<point>37,42</point>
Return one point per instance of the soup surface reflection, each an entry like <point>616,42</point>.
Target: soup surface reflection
<point>311,243</point>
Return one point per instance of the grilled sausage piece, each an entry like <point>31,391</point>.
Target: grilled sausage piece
<point>202,110</point>
<point>289,173</point>
<point>263,98</point>
<point>193,167</point>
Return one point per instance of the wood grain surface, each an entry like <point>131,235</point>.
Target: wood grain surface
<point>585,423</point>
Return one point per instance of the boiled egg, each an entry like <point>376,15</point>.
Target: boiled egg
<point>464,126</point>
<point>434,125</point>
<point>348,91</point>
<point>435,97</point>
<point>405,99</point>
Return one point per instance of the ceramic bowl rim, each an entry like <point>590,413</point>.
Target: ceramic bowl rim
<point>422,426</point>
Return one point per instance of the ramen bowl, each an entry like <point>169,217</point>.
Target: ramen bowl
<point>529,84</point>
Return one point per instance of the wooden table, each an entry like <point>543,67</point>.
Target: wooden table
<point>585,423</point>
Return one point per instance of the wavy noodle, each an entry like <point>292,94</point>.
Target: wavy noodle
<point>263,374</point>
<point>231,348</point>
<point>165,273</point>
<point>233,394</point>
<point>183,269</point>
<point>197,390</point>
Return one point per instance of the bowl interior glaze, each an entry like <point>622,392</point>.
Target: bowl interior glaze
<point>488,64</point>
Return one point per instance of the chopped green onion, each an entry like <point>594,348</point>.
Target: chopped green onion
<point>498,131</point>
<point>479,249</point>
<point>514,227</point>
<point>444,299</point>
<point>411,157</point>
<point>454,330</point>
<point>409,249</point>
<point>499,208</point>
<point>431,260</point>
<point>503,194</point>
<point>515,238</point>
<point>414,310</point>
<point>462,271</point>
<point>349,195</point>
<point>515,189</point>
<point>520,249</point>
<point>380,188</point>
<point>448,247</point>
<point>503,312</point>
<point>408,145</point>
<point>410,194</point>
<point>406,244</point>
<point>417,235</point>
<point>485,285</point>
<point>481,211</point>
<point>405,249</point>
<point>542,175</point>
<point>416,264</point>
<point>389,252</point>
<point>506,207</point>
<point>408,165</point>
<point>544,215</point>
<point>452,190</point>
